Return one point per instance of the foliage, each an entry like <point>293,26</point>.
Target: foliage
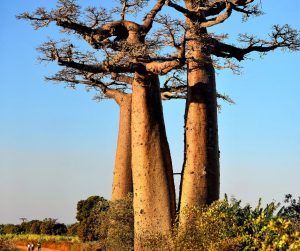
<point>224,225</point>
<point>33,227</point>
<point>227,225</point>
<point>38,237</point>
<point>73,229</point>
<point>6,244</point>
<point>292,210</point>
<point>85,206</point>
<point>92,219</point>
<point>48,227</point>
<point>9,229</point>
<point>110,224</point>
<point>120,231</point>
<point>51,227</point>
<point>211,228</point>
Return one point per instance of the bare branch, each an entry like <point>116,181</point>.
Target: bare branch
<point>213,8</point>
<point>283,37</point>
<point>174,87</point>
<point>97,36</point>
<point>69,76</point>
<point>129,6</point>
<point>162,68</point>
<point>226,98</point>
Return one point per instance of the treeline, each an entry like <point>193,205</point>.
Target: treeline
<point>48,226</point>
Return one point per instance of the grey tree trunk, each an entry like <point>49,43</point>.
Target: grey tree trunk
<point>122,177</point>
<point>201,172</point>
<point>153,184</point>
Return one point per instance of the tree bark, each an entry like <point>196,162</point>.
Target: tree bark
<point>201,173</point>
<point>122,177</point>
<point>153,184</point>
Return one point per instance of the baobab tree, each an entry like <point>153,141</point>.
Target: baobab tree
<point>126,54</point>
<point>125,64</point>
<point>201,172</point>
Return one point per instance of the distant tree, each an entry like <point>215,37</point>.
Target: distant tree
<point>59,229</point>
<point>35,226</point>
<point>291,209</point>
<point>23,219</point>
<point>47,226</point>
<point>73,229</point>
<point>84,207</point>
<point>93,222</point>
<point>1,228</point>
<point>10,229</point>
<point>110,223</point>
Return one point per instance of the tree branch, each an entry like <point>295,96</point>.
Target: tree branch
<point>180,9</point>
<point>162,68</point>
<point>282,37</point>
<point>219,19</point>
<point>149,19</point>
<point>92,82</point>
<point>122,78</point>
<point>97,38</point>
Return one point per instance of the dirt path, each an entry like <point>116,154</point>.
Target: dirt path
<point>42,249</point>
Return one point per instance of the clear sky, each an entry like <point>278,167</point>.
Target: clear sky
<point>57,145</point>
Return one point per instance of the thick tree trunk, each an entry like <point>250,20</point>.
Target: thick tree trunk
<point>122,178</point>
<point>201,175</point>
<point>153,184</point>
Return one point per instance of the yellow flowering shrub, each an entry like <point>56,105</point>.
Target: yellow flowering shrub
<point>275,234</point>
<point>228,226</point>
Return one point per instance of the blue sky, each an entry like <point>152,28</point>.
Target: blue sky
<point>57,145</point>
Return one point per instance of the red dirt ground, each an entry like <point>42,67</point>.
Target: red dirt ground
<point>51,246</point>
<point>43,249</point>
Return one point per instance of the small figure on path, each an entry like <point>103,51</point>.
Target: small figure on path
<point>32,247</point>
<point>39,246</point>
<point>28,247</point>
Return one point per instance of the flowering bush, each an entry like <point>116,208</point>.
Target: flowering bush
<point>226,225</point>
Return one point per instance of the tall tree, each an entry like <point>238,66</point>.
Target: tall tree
<point>126,49</point>
<point>201,173</point>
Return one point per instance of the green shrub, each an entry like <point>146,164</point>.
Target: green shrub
<point>209,228</point>
<point>108,223</point>
<point>93,222</point>
<point>6,244</point>
<point>226,225</point>
<point>120,219</point>
<point>73,229</point>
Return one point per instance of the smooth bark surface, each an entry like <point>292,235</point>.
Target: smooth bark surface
<point>154,192</point>
<point>201,175</point>
<point>122,177</point>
